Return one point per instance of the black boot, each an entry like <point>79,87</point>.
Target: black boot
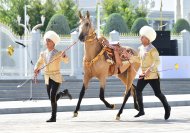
<point>52,119</point>
<point>65,93</point>
<point>140,103</point>
<point>167,107</point>
<point>54,112</point>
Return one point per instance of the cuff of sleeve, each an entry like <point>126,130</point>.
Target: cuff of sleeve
<point>66,60</point>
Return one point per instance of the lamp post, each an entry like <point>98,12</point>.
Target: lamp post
<point>26,22</point>
<point>26,52</point>
<point>39,25</point>
<point>27,31</point>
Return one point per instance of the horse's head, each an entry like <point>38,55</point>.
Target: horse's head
<point>85,26</point>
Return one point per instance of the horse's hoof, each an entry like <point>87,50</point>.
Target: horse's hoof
<point>75,114</point>
<point>113,106</point>
<point>117,117</point>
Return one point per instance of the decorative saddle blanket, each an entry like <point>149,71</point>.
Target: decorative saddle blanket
<point>115,58</point>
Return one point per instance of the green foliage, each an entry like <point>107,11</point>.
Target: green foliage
<point>48,11</point>
<point>180,25</point>
<point>115,22</point>
<point>70,10</point>
<point>110,6</point>
<point>34,11</point>
<point>124,7</point>
<point>141,11</point>
<point>59,24</point>
<point>139,22</point>
<point>9,10</point>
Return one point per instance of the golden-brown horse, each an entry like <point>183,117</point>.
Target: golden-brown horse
<point>95,65</point>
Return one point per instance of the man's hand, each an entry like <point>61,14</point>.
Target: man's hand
<point>141,76</point>
<point>63,54</point>
<point>36,71</point>
<point>145,74</point>
<point>126,54</point>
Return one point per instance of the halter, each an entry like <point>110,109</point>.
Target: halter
<point>91,37</point>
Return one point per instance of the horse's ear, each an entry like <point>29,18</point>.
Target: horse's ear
<point>88,14</point>
<point>80,15</point>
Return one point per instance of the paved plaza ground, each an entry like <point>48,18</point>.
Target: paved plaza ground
<point>20,116</point>
<point>99,122</point>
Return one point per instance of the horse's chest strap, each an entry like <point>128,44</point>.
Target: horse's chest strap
<point>90,63</point>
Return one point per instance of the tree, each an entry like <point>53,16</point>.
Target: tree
<point>125,8</point>
<point>110,6</point>
<point>59,24</point>
<point>127,11</point>
<point>181,25</point>
<point>10,9</point>
<point>138,24</point>
<point>70,10</point>
<point>35,13</point>
<point>141,11</point>
<point>115,22</point>
<point>49,9</point>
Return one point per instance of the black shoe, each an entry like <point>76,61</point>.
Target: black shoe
<point>167,107</point>
<point>167,113</point>
<point>66,93</point>
<point>51,120</point>
<point>141,113</point>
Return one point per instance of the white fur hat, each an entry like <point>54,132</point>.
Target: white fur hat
<point>52,36</point>
<point>148,32</point>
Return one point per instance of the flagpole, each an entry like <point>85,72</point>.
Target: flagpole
<point>161,15</point>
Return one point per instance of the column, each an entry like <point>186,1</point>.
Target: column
<point>114,36</point>
<point>75,71</point>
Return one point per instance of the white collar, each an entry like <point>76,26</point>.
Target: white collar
<point>49,52</point>
<point>144,50</point>
<point>147,48</point>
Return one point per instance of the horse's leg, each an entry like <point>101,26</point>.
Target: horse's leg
<point>101,95</point>
<point>81,95</point>
<point>123,78</point>
<point>133,87</point>
<point>127,78</point>
<point>123,105</point>
<point>132,75</point>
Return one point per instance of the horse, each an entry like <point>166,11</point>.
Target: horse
<point>95,65</point>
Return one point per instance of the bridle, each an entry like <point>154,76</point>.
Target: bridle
<point>90,38</point>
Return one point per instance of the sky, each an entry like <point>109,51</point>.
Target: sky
<point>168,5</point>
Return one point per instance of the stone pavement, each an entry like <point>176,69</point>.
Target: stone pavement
<point>99,122</point>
